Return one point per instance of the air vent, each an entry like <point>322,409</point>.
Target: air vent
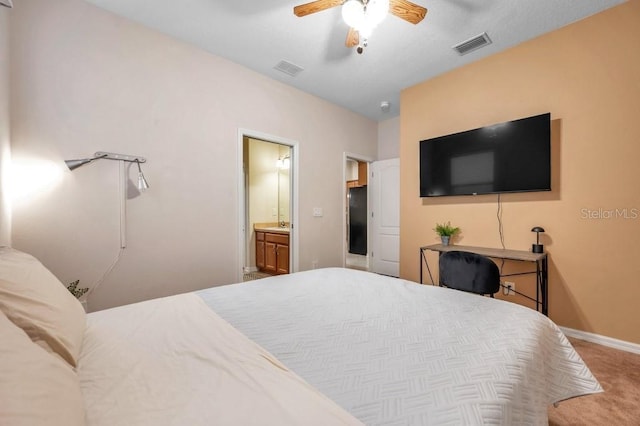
<point>474,43</point>
<point>288,68</point>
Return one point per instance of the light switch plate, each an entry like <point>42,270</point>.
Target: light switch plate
<point>317,212</point>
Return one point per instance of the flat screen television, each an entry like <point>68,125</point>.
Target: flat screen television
<point>514,156</point>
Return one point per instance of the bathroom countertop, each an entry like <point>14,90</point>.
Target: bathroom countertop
<point>270,228</point>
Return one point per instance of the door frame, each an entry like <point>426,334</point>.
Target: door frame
<point>243,242</point>
<point>358,157</point>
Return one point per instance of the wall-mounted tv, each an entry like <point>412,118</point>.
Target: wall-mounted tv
<point>514,156</point>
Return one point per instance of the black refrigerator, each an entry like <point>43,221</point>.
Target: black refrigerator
<point>358,220</point>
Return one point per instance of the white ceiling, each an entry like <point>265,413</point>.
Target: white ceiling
<point>260,33</point>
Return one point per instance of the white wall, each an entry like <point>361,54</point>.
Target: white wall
<point>5,152</point>
<point>389,139</point>
<point>86,80</point>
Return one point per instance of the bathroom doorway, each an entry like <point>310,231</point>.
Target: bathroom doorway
<point>268,240</point>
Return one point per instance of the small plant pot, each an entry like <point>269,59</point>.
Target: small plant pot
<point>445,240</point>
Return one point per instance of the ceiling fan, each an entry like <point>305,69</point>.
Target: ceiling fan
<point>363,15</point>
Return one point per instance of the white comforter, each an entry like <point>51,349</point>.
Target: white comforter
<point>395,352</point>
<point>173,361</point>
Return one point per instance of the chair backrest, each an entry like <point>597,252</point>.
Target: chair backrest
<point>469,272</point>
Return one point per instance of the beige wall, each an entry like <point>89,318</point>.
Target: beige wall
<point>5,152</point>
<point>86,80</point>
<point>587,76</point>
<point>389,139</point>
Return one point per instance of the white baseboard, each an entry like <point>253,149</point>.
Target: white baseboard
<point>249,269</point>
<point>602,340</point>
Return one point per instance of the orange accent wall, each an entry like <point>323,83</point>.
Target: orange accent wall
<point>588,76</point>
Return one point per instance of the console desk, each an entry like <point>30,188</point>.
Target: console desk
<point>540,260</point>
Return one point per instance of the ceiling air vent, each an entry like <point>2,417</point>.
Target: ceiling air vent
<point>288,68</point>
<point>472,44</point>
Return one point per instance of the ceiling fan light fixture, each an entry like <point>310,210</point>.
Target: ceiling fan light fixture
<point>353,13</point>
<point>377,10</point>
<point>365,31</point>
<point>364,17</point>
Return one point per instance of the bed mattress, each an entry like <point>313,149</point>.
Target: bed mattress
<point>391,351</point>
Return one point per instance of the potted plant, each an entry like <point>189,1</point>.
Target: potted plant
<point>446,231</point>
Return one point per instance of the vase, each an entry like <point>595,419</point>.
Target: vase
<point>445,240</point>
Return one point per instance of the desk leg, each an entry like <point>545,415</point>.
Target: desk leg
<point>421,256</point>
<point>539,304</point>
<point>545,286</point>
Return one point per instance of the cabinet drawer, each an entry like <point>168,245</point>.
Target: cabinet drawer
<point>277,238</point>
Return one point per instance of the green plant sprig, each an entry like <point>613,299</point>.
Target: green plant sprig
<point>446,230</point>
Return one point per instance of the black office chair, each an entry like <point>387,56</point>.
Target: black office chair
<point>470,272</point>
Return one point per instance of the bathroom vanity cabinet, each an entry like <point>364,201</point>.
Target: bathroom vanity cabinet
<point>272,250</point>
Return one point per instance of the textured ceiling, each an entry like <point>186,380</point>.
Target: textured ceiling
<point>260,33</point>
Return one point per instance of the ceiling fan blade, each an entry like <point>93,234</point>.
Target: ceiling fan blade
<point>406,10</point>
<point>353,38</point>
<point>315,6</point>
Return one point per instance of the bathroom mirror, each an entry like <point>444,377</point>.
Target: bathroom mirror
<point>268,183</point>
<point>284,179</point>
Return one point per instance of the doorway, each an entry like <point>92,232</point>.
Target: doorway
<point>356,212</point>
<point>268,243</point>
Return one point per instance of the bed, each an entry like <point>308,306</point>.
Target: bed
<point>328,346</point>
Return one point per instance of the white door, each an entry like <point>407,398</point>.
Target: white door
<point>384,191</point>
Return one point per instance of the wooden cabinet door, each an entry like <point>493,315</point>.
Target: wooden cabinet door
<point>260,254</point>
<point>270,257</point>
<point>272,252</point>
<point>362,173</point>
<point>260,250</point>
<point>283,259</point>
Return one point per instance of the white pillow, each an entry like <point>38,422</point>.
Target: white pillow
<point>36,301</point>
<point>36,387</point>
